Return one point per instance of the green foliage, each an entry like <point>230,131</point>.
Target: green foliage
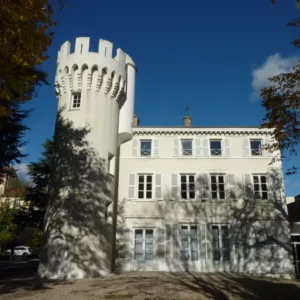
<point>7,227</point>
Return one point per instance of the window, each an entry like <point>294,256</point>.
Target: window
<point>217,186</point>
<point>145,187</point>
<point>143,246</point>
<point>260,186</point>
<point>187,147</point>
<point>189,242</point>
<point>187,186</point>
<point>146,146</point>
<point>220,243</point>
<point>255,146</point>
<point>76,100</point>
<point>215,147</point>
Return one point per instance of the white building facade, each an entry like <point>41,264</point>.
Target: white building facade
<point>202,199</point>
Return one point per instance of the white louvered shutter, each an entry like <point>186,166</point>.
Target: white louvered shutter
<point>134,148</point>
<point>176,147</point>
<point>267,141</point>
<point>131,186</point>
<point>158,191</point>
<point>205,186</point>
<point>124,251</point>
<point>205,147</point>
<point>275,186</point>
<point>230,187</point>
<point>248,187</point>
<point>246,147</point>
<point>160,242</point>
<point>197,147</point>
<point>168,240</point>
<point>174,186</point>
<point>226,147</point>
<point>156,148</point>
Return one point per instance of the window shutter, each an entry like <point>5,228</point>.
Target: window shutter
<point>248,186</point>
<point>274,186</point>
<point>156,148</point>
<point>226,147</point>
<point>203,241</point>
<point>176,147</point>
<point>134,148</point>
<point>208,242</point>
<point>174,187</point>
<point>205,146</point>
<point>158,194</point>
<point>175,241</point>
<point>124,249</point>
<point>131,186</point>
<point>246,147</point>
<point>168,240</point>
<point>230,187</point>
<point>160,242</point>
<point>267,141</point>
<point>204,186</point>
<point>197,147</point>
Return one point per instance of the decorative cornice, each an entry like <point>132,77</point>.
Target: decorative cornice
<point>201,131</point>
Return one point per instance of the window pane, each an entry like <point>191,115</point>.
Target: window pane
<point>141,186</point>
<point>183,178</point>
<point>263,179</point>
<point>184,254</point>
<point>149,186</point>
<point>194,231</point>
<point>183,194</point>
<point>225,242</point>
<point>149,194</point>
<point>214,195</point>
<point>149,234</point>
<point>256,187</point>
<point>255,147</point>
<point>222,195</point>
<point>191,178</point>
<point>221,187</point>
<point>149,256</point>
<point>264,187</point>
<point>183,187</point>
<point>257,195</point>
<point>215,243</point>
<point>139,234</point>
<point>141,179</point>
<point>149,178</point>
<point>255,179</point>
<point>213,179</point>
<point>214,187</point>
<point>141,194</point>
<point>187,147</point>
<point>215,147</point>
<point>221,179</point>
<point>192,195</point>
<point>145,148</point>
<point>265,195</point>
<point>192,187</point>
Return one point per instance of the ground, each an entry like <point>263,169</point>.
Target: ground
<point>152,285</point>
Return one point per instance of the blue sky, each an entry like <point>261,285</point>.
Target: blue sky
<point>213,56</point>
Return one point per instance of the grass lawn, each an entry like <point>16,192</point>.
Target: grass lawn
<point>153,285</point>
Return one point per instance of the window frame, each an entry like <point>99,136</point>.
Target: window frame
<point>145,186</point>
<point>73,100</point>
<point>217,184</point>
<point>192,147</point>
<point>220,243</point>
<point>260,150</point>
<point>187,185</point>
<point>144,229</point>
<point>140,147</point>
<point>260,183</point>
<point>221,147</point>
<point>189,242</point>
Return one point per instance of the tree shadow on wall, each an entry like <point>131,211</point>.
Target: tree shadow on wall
<point>77,234</point>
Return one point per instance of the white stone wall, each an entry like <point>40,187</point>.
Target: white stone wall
<point>259,232</point>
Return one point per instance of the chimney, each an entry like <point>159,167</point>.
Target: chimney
<point>187,121</point>
<point>136,121</point>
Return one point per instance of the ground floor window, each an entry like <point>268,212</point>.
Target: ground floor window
<point>189,242</point>
<point>143,246</point>
<point>220,243</point>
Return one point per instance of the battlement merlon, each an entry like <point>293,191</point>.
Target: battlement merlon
<point>105,49</point>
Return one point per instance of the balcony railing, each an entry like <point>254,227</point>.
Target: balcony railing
<point>216,152</point>
<point>256,152</point>
<point>145,152</point>
<point>187,152</point>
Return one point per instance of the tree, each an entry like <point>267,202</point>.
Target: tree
<point>282,102</point>
<point>25,36</point>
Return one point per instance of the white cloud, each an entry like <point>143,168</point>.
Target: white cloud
<point>22,171</point>
<point>274,65</point>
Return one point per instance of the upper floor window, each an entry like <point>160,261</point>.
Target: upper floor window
<point>217,186</point>
<point>143,244</point>
<point>215,147</point>
<point>187,186</point>
<point>189,242</point>
<point>187,147</point>
<point>260,187</point>
<point>145,186</point>
<point>76,100</point>
<point>256,147</point>
<point>145,147</point>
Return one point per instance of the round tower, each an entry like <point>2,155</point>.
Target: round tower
<point>95,94</point>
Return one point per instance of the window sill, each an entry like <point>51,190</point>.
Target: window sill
<point>74,109</point>
<point>144,200</point>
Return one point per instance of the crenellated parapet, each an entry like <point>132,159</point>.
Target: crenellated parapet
<point>99,71</point>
